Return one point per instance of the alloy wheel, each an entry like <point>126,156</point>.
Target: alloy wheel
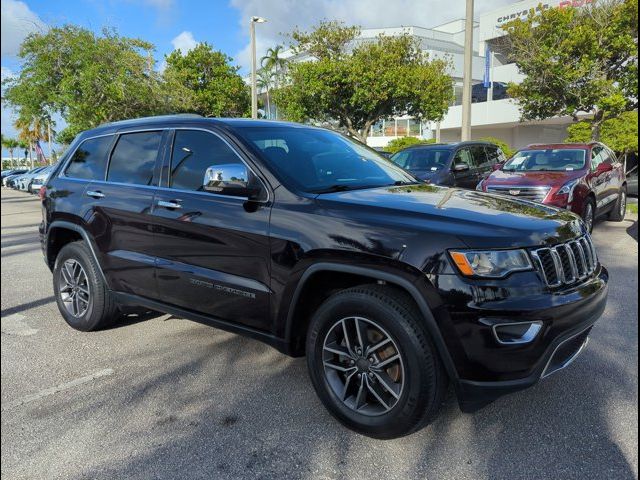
<point>74,288</point>
<point>363,366</point>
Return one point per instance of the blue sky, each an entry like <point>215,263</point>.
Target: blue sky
<point>170,24</point>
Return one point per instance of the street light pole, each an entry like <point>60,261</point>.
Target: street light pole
<point>254,86</point>
<point>467,73</point>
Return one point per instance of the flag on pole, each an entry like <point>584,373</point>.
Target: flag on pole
<point>41,156</point>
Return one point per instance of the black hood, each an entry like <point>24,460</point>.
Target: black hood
<point>480,220</point>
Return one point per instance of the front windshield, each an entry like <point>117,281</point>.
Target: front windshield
<point>317,160</point>
<point>552,160</point>
<point>429,159</point>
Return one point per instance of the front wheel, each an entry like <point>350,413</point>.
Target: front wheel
<point>620,208</point>
<point>372,362</point>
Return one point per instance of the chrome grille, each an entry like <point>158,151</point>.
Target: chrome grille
<point>566,263</point>
<point>534,194</point>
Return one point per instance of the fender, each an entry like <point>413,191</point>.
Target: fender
<point>85,236</point>
<point>410,287</point>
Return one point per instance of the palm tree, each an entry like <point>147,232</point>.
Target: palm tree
<point>31,130</point>
<point>274,62</point>
<point>264,82</point>
<point>10,144</point>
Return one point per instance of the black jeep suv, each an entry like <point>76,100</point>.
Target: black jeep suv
<point>316,245</point>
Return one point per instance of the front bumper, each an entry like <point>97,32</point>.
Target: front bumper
<point>488,369</point>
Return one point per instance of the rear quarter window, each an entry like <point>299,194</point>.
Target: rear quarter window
<point>90,159</point>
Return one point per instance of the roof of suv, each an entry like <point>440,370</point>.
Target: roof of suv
<point>193,118</point>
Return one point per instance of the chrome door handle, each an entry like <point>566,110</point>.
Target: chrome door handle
<point>171,205</point>
<point>95,194</point>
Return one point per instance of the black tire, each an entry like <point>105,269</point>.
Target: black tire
<point>424,380</point>
<point>101,309</point>
<point>589,210</point>
<point>620,208</point>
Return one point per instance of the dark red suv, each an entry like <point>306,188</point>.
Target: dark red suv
<point>587,179</point>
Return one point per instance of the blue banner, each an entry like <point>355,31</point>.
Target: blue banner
<point>487,66</point>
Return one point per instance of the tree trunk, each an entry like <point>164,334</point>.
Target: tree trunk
<point>268,105</point>
<point>596,126</point>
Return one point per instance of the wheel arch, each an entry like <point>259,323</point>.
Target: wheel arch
<point>60,233</point>
<point>295,332</point>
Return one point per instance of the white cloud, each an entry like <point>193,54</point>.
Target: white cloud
<point>184,42</point>
<point>284,15</point>
<point>17,22</point>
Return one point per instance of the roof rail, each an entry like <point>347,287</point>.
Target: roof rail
<point>154,117</point>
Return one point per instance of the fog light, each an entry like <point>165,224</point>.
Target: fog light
<point>517,333</point>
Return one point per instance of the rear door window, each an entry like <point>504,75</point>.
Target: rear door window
<point>134,157</point>
<point>480,156</point>
<point>90,159</point>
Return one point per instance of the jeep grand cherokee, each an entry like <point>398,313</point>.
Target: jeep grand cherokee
<point>316,245</point>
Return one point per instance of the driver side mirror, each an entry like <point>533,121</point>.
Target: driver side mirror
<point>497,166</point>
<point>229,179</point>
<point>460,167</point>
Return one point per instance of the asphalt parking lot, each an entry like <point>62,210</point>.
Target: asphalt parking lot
<point>166,398</point>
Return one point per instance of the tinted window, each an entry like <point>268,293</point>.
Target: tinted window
<point>317,160</point>
<point>90,159</point>
<point>495,155</point>
<point>134,157</point>
<point>479,155</point>
<point>463,156</point>
<point>423,159</point>
<point>193,152</point>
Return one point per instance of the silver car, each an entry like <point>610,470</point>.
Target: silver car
<point>40,179</point>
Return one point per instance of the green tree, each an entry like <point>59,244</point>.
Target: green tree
<point>357,84</point>
<point>619,133</point>
<point>264,80</point>
<point>577,60</point>
<point>87,78</point>
<point>10,144</point>
<point>204,81</point>
<point>401,143</point>
<point>504,146</point>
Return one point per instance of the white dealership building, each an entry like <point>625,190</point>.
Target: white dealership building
<point>495,118</point>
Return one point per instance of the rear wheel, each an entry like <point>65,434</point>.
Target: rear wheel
<point>372,362</point>
<point>620,209</point>
<point>589,214</point>
<point>82,296</point>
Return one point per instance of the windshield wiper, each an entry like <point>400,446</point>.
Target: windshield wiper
<point>333,188</point>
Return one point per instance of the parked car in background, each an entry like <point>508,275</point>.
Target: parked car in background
<point>462,164</point>
<point>309,241</point>
<point>382,152</point>
<point>23,181</point>
<point>40,179</point>
<point>480,93</point>
<point>9,174</point>
<point>587,179</point>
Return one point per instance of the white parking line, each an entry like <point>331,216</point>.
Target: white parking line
<point>15,325</point>
<point>59,388</point>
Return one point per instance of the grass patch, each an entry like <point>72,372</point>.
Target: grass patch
<point>632,208</point>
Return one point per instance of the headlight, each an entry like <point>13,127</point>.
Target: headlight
<point>567,189</point>
<point>491,263</point>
